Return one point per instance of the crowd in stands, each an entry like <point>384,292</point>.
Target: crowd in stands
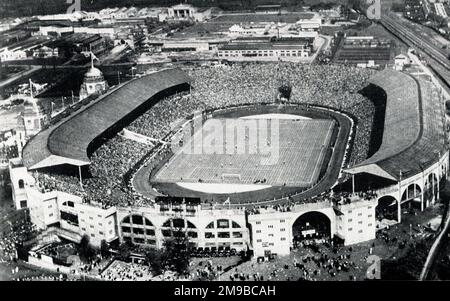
<point>157,122</point>
<point>212,88</point>
<point>122,271</point>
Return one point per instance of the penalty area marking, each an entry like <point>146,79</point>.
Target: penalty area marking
<point>220,188</point>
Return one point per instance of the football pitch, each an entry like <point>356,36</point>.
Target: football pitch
<point>289,154</point>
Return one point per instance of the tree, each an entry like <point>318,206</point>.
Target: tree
<point>104,248</point>
<point>125,250</point>
<point>176,254</point>
<point>155,258</point>
<point>85,249</point>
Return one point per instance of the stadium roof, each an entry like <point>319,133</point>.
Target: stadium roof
<point>413,136</point>
<point>67,141</point>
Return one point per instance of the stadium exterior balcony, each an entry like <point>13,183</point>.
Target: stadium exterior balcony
<point>413,137</point>
<point>70,141</point>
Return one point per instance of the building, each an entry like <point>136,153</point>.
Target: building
<point>7,24</point>
<point>412,161</point>
<point>401,61</point>
<point>185,12</point>
<point>104,31</point>
<point>414,10</point>
<point>93,82</point>
<point>148,226</point>
<point>44,52</point>
<point>365,50</point>
<point>249,29</point>
<point>268,9</point>
<point>267,49</point>
<point>34,118</point>
<point>55,30</point>
<point>309,24</point>
<point>80,42</point>
<point>56,209</point>
<point>12,54</point>
<point>11,141</point>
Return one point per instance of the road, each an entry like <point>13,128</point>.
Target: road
<point>19,75</point>
<point>435,248</point>
<point>405,31</point>
<point>410,33</point>
<point>438,60</point>
<point>428,72</point>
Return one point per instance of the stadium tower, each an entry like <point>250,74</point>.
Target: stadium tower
<point>94,82</point>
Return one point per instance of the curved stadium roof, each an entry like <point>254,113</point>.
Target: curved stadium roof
<point>413,135</point>
<point>67,141</point>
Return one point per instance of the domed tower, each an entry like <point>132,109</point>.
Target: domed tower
<point>34,117</point>
<point>94,82</point>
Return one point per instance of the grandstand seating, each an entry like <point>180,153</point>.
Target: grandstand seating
<point>413,135</point>
<point>71,138</point>
<point>362,55</point>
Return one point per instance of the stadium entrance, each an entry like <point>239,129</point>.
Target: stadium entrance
<point>411,197</point>
<point>387,209</point>
<point>311,226</point>
<point>431,189</point>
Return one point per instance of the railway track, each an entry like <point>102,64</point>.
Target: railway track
<point>395,26</point>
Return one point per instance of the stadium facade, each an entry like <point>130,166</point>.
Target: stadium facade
<point>412,159</point>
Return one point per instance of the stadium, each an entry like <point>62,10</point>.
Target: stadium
<point>354,148</point>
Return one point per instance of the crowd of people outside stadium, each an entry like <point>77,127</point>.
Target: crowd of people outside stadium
<point>46,278</point>
<point>213,88</point>
<point>122,271</point>
<point>12,236</point>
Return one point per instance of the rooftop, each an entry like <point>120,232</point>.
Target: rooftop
<point>67,142</point>
<point>413,134</point>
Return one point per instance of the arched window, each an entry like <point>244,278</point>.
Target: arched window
<point>223,223</point>
<point>178,223</point>
<point>21,184</point>
<point>138,229</point>
<point>137,220</point>
<point>235,225</point>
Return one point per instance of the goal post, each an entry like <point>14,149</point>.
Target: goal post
<point>231,176</point>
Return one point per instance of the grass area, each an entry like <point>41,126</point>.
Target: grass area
<point>276,191</point>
